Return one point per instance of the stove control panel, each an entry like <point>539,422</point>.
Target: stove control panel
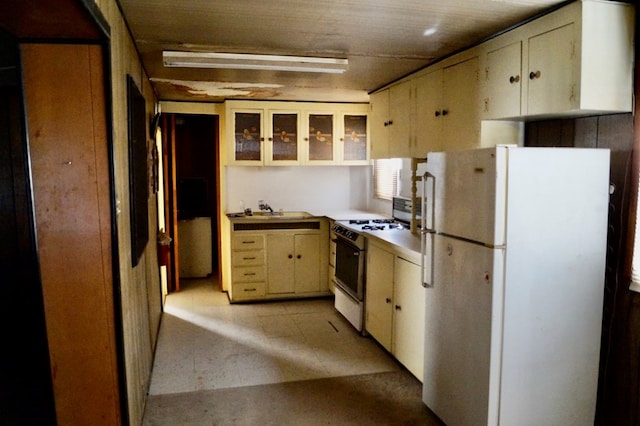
<point>344,232</point>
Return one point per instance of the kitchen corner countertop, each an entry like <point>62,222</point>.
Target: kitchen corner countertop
<point>400,239</point>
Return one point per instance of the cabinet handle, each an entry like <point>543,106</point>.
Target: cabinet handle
<point>386,123</point>
<point>514,79</point>
<point>249,274</point>
<point>262,139</point>
<point>534,75</point>
<point>437,114</point>
<point>390,122</point>
<point>248,242</point>
<point>249,258</point>
<point>388,300</point>
<point>398,308</point>
<point>270,139</point>
<point>445,112</point>
<point>249,289</point>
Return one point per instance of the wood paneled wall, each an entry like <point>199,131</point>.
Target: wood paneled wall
<point>70,167</point>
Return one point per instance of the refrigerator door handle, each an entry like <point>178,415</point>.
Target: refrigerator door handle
<point>428,210</point>
<point>426,257</point>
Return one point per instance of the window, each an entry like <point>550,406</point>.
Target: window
<point>386,175</point>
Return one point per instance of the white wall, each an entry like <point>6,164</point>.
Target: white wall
<point>316,189</point>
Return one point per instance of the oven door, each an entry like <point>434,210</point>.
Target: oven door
<point>350,268</point>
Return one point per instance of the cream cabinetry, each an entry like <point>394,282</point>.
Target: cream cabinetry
<point>391,111</point>
<point>575,61</point>
<point>248,267</point>
<point>296,133</point>
<point>275,259</point>
<point>434,111</point>
<point>293,263</point>
<point>567,63</point>
<point>395,305</point>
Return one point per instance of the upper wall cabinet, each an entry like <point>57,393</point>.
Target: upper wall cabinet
<point>575,61</point>
<point>391,111</point>
<point>296,133</point>
<point>435,111</point>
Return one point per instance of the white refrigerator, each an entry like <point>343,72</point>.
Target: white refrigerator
<point>513,254</point>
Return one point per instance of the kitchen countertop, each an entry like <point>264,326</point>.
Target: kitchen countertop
<point>403,240</point>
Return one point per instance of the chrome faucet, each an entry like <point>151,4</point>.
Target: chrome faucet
<point>264,206</point>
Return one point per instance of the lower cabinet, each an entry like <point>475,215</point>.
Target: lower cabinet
<point>395,305</point>
<point>293,263</point>
<point>272,260</point>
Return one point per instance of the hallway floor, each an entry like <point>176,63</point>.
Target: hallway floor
<point>288,362</point>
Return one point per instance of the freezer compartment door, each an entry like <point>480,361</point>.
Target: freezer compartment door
<point>462,313</point>
<point>467,197</point>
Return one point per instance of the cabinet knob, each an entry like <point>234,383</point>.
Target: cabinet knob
<point>398,308</point>
<point>388,300</point>
<point>299,256</point>
<point>437,114</point>
<point>386,123</point>
<point>514,79</point>
<point>445,112</point>
<point>534,75</point>
<point>290,256</point>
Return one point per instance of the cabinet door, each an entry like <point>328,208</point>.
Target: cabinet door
<point>550,79</point>
<point>354,139</point>
<point>461,105</point>
<point>280,263</point>
<point>284,138</point>
<point>247,137</point>
<point>379,108</point>
<point>320,139</point>
<point>379,295</point>
<point>428,114</point>
<point>400,105</point>
<point>504,65</point>
<point>307,263</point>
<point>409,311</point>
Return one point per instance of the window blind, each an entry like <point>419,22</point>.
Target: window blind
<point>385,177</point>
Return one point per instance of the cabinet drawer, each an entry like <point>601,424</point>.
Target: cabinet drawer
<point>248,274</point>
<point>248,291</point>
<point>248,242</point>
<point>247,258</point>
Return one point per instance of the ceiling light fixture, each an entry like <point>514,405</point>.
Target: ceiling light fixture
<point>245,61</point>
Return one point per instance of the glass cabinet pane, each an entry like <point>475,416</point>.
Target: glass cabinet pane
<point>321,137</point>
<point>355,137</point>
<point>247,134</point>
<point>285,137</point>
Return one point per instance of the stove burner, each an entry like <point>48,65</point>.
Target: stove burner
<point>358,222</point>
<point>396,226</point>
<point>383,221</point>
<point>373,228</point>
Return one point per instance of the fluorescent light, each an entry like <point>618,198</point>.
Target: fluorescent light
<point>244,61</point>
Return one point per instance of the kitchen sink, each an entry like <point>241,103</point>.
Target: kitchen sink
<point>293,215</point>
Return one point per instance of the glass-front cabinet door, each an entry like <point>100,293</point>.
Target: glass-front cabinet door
<point>320,138</point>
<point>284,138</point>
<point>248,137</point>
<point>354,139</point>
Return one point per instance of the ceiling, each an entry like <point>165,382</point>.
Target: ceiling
<point>382,39</point>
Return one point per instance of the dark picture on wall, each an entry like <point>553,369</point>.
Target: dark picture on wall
<point>138,171</point>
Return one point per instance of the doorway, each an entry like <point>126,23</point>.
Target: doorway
<point>192,195</point>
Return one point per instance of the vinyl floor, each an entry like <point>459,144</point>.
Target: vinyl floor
<point>273,363</point>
